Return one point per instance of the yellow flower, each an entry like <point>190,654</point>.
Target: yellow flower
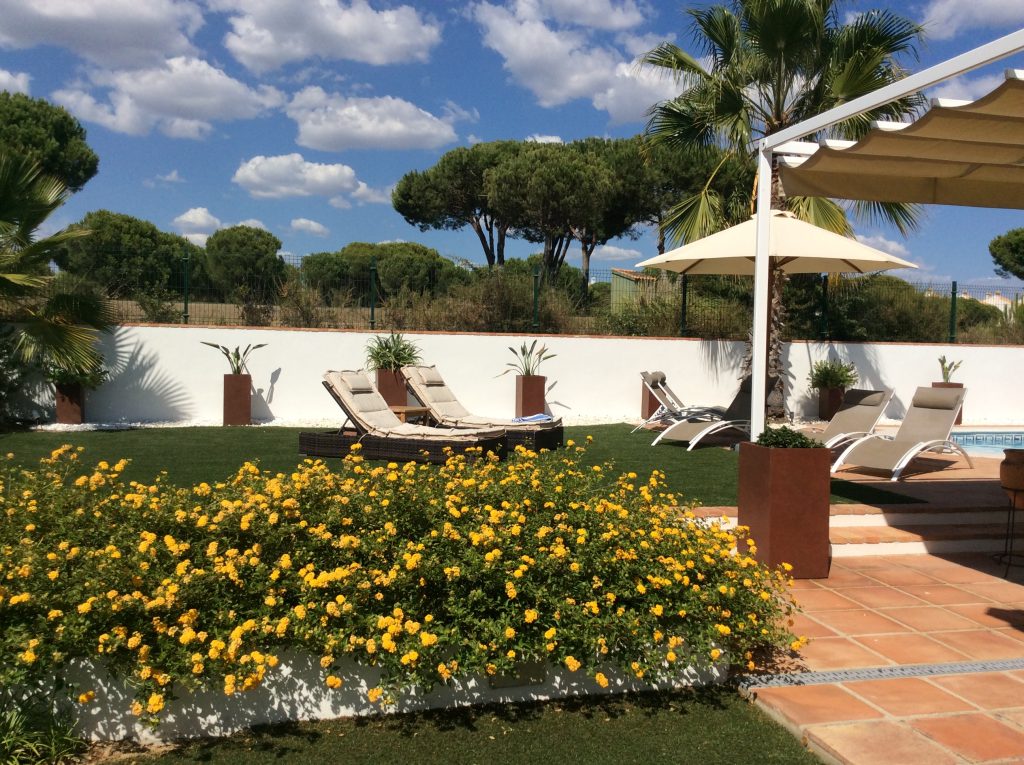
<point>572,663</point>
<point>601,679</point>
<point>715,653</point>
<point>723,629</point>
<point>155,703</point>
<point>333,681</point>
<point>509,633</point>
<point>85,698</point>
<point>427,639</point>
<point>373,694</point>
<point>531,615</point>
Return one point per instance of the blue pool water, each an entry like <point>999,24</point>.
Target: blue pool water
<point>989,443</point>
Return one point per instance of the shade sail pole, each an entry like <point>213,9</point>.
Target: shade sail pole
<point>759,370</point>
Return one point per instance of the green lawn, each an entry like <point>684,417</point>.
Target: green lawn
<point>191,455</point>
<point>711,727</point>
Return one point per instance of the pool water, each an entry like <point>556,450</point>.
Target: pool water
<point>989,443</point>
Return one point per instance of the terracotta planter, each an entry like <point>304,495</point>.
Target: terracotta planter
<point>392,387</point>
<point>829,401</point>
<point>70,403</point>
<point>529,395</point>
<point>237,399</point>
<point>1011,476</point>
<point>648,403</point>
<point>783,498</point>
<point>960,414</point>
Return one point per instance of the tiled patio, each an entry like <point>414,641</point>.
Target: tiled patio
<point>928,649</point>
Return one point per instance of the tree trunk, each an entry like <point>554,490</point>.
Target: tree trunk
<point>484,243</point>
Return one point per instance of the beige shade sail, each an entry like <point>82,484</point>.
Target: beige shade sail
<point>958,153</point>
<point>797,247</point>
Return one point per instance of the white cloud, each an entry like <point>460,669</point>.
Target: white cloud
<point>15,82</point>
<point>562,65</point>
<point>944,19</point>
<point>289,175</point>
<point>341,203</point>
<point>967,88</point>
<point>366,195</point>
<point>332,122</point>
<point>197,220</point>
<point>171,177</point>
<point>182,97</point>
<point>890,246</point>
<point>613,253</point>
<point>268,33</point>
<point>538,138</point>
<point>597,14</point>
<point>197,239</point>
<point>637,45</point>
<point>106,32</point>
<point>307,226</point>
<point>252,223</point>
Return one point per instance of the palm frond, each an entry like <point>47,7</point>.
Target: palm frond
<point>69,346</point>
<point>673,60</point>
<point>695,217</point>
<point>823,213</point>
<point>902,216</point>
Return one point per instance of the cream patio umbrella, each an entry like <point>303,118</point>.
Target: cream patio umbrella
<point>795,247</point>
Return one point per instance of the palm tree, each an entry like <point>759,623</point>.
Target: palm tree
<point>55,326</point>
<point>766,65</point>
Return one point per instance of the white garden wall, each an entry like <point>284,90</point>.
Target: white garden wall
<point>165,374</point>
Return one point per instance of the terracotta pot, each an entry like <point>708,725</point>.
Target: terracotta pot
<point>238,399</point>
<point>392,387</point>
<point>783,499</point>
<point>1011,476</point>
<point>529,395</point>
<point>960,414</point>
<point>829,401</point>
<point>70,403</point>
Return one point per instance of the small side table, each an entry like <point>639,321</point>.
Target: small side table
<point>412,413</point>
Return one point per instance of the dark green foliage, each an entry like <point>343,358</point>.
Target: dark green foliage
<point>391,352</point>
<point>49,135</point>
<point>832,373</point>
<point>244,255</point>
<point>786,438</point>
<point>16,375</point>
<point>127,255</point>
<point>33,736</point>
<point>1007,251</point>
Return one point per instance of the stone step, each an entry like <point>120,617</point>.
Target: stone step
<point>921,538</point>
<point>890,515</point>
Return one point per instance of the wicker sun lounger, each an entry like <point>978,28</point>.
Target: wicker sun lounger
<point>381,434</point>
<point>925,428</point>
<point>856,418</point>
<point>430,388</point>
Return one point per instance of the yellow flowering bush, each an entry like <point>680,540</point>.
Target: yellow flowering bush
<point>427,572</point>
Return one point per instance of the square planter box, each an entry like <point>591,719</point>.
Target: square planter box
<point>391,385</point>
<point>529,395</point>
<point>70,399</point>
<point>783,498</point>
<point>237,399</point>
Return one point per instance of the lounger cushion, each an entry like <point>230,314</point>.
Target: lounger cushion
<point>357,382</point>
<point>936,398</point>
<point>869,398</point>
<point>430,376</point>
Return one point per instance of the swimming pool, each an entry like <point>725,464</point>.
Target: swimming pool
<point>989,443</point>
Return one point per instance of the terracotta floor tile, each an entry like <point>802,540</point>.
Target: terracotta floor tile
<point>901,576</point>
<point>930,618</point>
<point>1000,592</point>
<point>942,594</point>
<point>1015,717</point>
<point>878,743</point>
<point>908,696</point>
<point>867,563</point>
<point>976,736</point>
<point>881,596</point>
<point>810,627</point>
<point>843,577</point>
<point>823,600</point>
<point>805,584</point>
<point>839,653</point>
<point>912,649</point>
<point>989,690</point>
<point>858,621</point>
<point>979,645</point>
<point>990,614</point>
<point>812,704</point>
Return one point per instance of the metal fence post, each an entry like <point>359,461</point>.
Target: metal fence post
<point>823,322</point>
<point>684,289</point>
<point>536,298</point>
<point>185,288</point>
<point>952,314</point>
<point>373,292</point>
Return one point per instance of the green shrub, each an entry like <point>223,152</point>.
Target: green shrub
<point>832,373</point>
<point>786,438</point>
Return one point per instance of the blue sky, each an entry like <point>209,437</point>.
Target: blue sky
<point>299,115</point>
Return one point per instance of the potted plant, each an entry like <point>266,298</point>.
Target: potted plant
<point>237,384</point>
<point>529,384</point>
<point>948,368</point>
<point>387,355</point>
<point>831,377</point>
<point>70,386</point>
<point>784,492</point>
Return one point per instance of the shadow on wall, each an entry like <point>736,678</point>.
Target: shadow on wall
<point>805,400</point>
<point>136,391</point>
<point>723,357</point>
<point>261,401</point>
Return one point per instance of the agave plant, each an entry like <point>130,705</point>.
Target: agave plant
<point>528,359</point>
<point>237,357</point>
<point>391,352</point>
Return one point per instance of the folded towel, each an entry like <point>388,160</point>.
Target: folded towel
<point>534,418</point>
